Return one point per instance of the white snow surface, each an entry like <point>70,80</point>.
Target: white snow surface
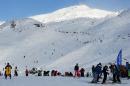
<point>60,45</point>
<point>56,81</point>
<point>73,12</point>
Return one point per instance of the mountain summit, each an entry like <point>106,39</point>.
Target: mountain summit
<point>73,12</point>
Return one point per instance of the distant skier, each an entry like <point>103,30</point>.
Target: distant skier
<point>82,72</point>
<point>52,72</point>
<point>8,71</point>
<point>76,69</point>
<point>55,73</point>
<point>93,70</point>
<point>16,71</point>
<point>116,74</point>
<point>105,73</point>
<point>99,71</point>
<point>96,73</point>
<point>26,72</point>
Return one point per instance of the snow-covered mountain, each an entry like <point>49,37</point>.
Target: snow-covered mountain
<point>1,22</point>
<point>49,44</point>
<point>73,12</point>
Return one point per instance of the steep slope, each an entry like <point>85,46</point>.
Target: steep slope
<point>73,12</point>
<point>59,45</point>
<point>109,37</point>
<point>44,44</point>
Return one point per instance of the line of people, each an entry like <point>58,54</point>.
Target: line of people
<point>7,71</point>
<point>8,68</point>
<point>97,72</point>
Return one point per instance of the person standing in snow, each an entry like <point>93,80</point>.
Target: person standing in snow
<point>93,70</point>
<point>16,71</point>
<point>116,74</point>
<point>26,72</point>
<point>98,71</point>
<point>82,70</point>
<point>76,69</point>
<point>8,68</point>
<point>105,73</point>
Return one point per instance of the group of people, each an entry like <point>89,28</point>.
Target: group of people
<point>8,69</point>
<point>8,73</point>
<point>78,72</point>
<point>113,69</point>
<point>98,72</point>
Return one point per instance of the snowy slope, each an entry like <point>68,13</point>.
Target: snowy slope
<point>106,38</point>
<point>60,45</point>
<point>73,12</point>
<point>40,46</point>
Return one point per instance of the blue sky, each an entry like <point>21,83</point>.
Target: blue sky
<point>16,9</point>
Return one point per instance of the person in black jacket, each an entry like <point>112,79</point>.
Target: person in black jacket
<point>26,72</point>
<point>93,70</point>
<point>98,70</point>
<point>16,71</point>
<point>116,74</point>
<point>76,69</point>
<point>105,73</point>
<point>82,70</point>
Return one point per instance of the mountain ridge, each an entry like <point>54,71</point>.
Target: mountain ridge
<point>72,12</point>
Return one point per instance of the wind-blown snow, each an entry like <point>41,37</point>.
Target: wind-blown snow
<point>73,12</point>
